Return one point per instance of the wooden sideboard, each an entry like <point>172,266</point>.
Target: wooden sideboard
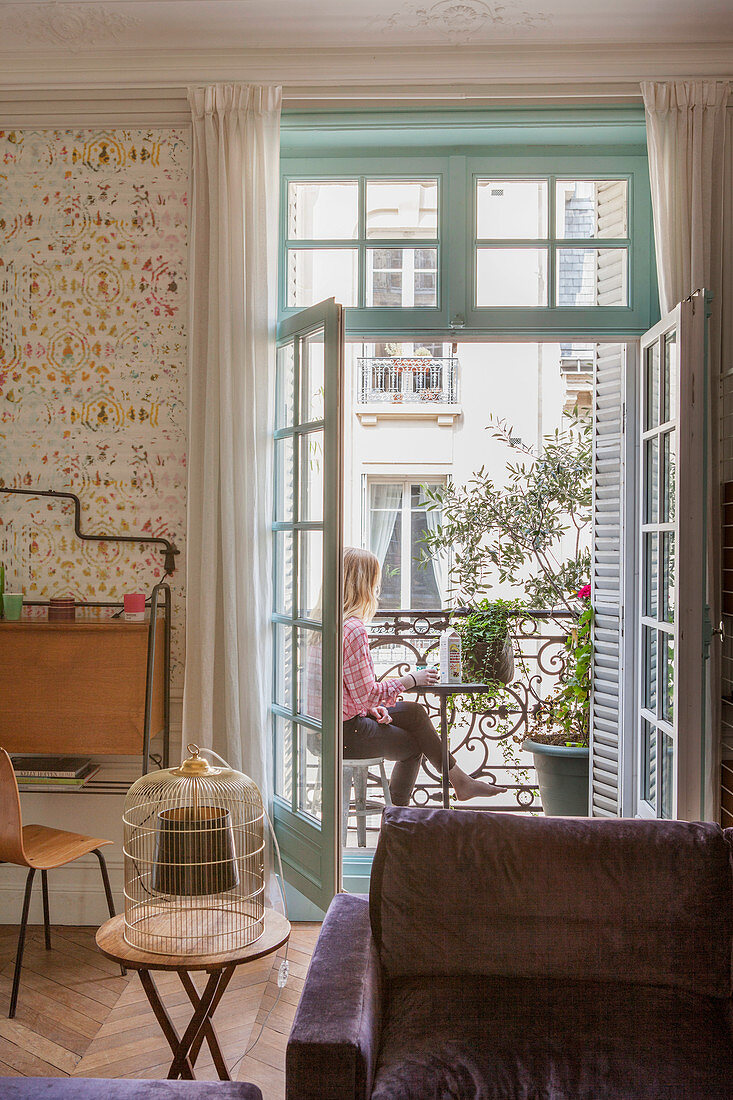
<point>78,687</point>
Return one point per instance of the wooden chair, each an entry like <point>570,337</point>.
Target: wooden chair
<point>39,849</point>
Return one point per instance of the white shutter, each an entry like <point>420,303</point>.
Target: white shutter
<point>608,581</point>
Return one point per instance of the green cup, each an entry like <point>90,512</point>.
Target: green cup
<point>12,605</point>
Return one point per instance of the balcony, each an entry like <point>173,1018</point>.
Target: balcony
<point>483,740</point>
<point>407,388</point>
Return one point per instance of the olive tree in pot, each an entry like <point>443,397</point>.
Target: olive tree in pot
<point>532,526</point>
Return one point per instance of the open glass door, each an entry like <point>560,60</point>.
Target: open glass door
<point>672,602</point>
<point>307,598</point>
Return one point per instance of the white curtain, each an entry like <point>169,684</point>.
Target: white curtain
<point>692,196</point>
<point>385,501</point>
<point>231,364</point>
<point>438,561</point>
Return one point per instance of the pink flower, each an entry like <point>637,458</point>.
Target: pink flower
<point>584,592</point>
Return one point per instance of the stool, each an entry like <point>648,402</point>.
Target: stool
<point>356,774</point>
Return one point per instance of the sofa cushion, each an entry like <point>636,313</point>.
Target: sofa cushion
<point>487,893</point>
<point>92,1088</point>
<point>473,1038</point>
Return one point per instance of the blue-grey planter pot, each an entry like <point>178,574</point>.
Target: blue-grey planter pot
<point>562,775</point>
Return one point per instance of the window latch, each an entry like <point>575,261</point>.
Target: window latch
<point>459,321</point>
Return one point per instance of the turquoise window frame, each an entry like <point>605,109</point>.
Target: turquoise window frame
<point>457,147</point>
<point>362,318</point>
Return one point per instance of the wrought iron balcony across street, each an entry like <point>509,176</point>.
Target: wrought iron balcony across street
<point>482,740</point>
<point>408,381</point>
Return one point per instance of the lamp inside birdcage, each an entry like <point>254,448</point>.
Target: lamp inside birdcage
<point>194,860</point>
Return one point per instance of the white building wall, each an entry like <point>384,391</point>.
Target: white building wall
<point>520,383</point>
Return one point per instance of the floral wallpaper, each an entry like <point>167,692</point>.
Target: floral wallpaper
<point>93,239</point>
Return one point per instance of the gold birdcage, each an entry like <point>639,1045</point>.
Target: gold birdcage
<point>194,860</point>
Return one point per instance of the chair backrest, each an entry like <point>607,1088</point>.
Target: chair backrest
<point>626,901</point>
<point>11,823</point>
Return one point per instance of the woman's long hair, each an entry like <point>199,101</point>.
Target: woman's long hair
<point>362,574</point>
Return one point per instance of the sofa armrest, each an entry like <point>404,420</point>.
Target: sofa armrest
<point>333,1045</point>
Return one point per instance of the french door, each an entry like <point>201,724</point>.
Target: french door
<point>672,630</point>
<point>307,598</point>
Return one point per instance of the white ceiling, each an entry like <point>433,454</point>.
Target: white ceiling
<point>78,26</point>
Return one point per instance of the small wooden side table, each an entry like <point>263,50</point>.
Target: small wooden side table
<point>220,967</point>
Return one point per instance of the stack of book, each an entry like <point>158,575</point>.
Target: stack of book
<point>43,773</point>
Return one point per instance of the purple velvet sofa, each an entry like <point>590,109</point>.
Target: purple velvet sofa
<point>508,958</point>
<point>94,1088</point>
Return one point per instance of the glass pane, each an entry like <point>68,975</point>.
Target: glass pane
<point>283,758</point>
<point>318,273</point>
<point>284,391</point>
<point>385,534</point>
<point>511,209</point>
<point>311,575</point>
<point>651,387</point>
<point>284,574</point>
<point>283,659</point>
<point>396,209</point>
<point>591,208</point>
<point>323,210</point>
<point>667,776</point>
<point>651,478</point>
<point>651,574</point>
<point>649,656</point>
<point>312,385</point>
<point>311,477</point>
<point>310,672</point>
<point>668,576</point>
<point>309,772</point>
<point>424,575</point>
<point>592,277</point>
<point>402,277</point>
<point>668,676</point>
<point>649,742</point>
<point>284,475</point>
<point>669,393</point>
<point>669,477</point>
<point>385,537</point>
<point>511,277</point>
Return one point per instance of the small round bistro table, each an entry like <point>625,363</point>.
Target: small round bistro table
<point>219,967</point>
<point>444,692</point>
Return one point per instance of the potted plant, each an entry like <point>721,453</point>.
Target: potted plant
<point>488,655</point>
<point>532,525</point>
<point>558,737</point>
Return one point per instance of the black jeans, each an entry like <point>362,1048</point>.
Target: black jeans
<point>408,737</point>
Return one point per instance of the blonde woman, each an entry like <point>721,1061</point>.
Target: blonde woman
<point>375,721</point>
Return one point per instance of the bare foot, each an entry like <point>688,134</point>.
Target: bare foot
<point>475,788</point>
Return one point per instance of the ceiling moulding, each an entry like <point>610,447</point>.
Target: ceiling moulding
<point>359,67</point>
<point>42,107</point>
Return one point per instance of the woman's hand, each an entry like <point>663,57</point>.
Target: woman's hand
<point>381,714</point>
<point>420,678</point>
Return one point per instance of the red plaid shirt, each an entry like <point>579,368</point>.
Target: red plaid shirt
<point>362,690</point>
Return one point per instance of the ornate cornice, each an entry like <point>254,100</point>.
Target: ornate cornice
<point>468,70</point>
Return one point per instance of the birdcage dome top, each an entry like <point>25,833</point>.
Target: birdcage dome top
<point>193,778</point>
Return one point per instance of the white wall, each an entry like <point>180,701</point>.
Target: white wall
<point>520,383</point>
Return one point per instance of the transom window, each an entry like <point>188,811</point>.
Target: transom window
<point>538,242</point>
<point>477,226</point>
<point>351,239</point>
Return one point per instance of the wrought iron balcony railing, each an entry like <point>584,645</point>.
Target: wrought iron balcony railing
<point>482,740</point>
<point>407,380</point>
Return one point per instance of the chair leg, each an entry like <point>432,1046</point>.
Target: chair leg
<point>21,942</point>
<point>346,795</point>
<point>385,784</point>
<point>107,891</point>
<point>360,799</point>
<point>46,920</point>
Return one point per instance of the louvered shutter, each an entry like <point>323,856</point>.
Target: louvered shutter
<point>608,581</point>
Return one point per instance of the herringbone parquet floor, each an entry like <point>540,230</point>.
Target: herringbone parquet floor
<point>78,1017</point>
